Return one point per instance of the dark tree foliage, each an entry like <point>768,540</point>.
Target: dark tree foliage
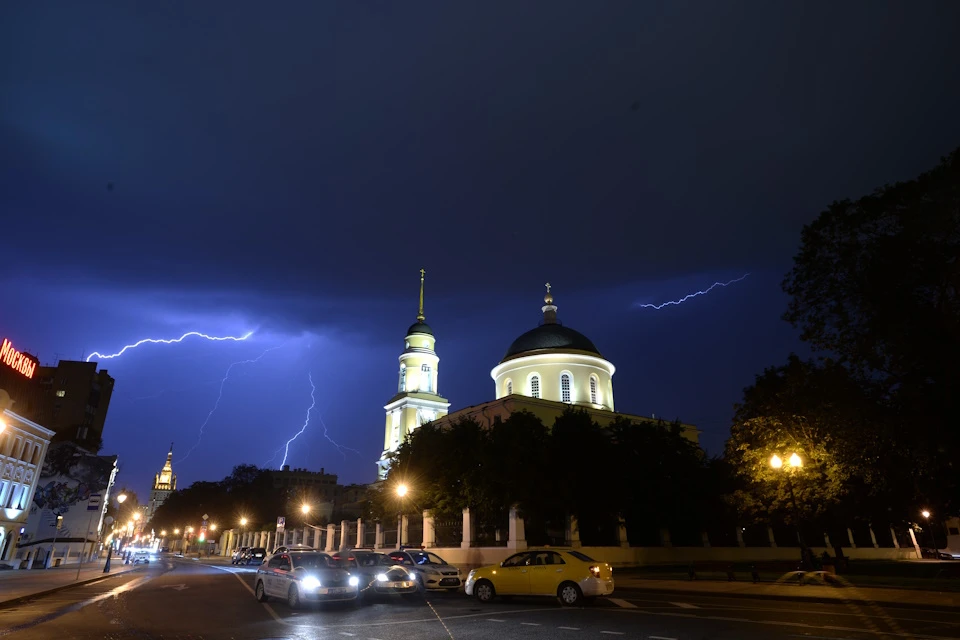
<point>573,468</point>
<point>247,492</point>
<point>877,285</point>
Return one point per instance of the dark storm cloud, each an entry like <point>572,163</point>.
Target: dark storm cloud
<point>308,148</point>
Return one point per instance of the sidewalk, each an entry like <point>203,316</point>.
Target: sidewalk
<point>916,598</point>
<point>16,585</point>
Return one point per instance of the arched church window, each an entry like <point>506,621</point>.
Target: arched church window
<point>565,387</point>
<point>403,378</point>
<point>594,396</point>
<point>535,386</point>
<point>509,387</point>
<point>427,382</point>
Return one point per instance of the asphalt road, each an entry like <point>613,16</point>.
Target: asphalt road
<point>185,599</point>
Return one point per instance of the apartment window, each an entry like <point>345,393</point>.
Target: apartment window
<point>593,390</point>
<point>61,393</point>
<point>403,378</point>
<point>565,386</point>
<point>535,386</point>
<point>14,500</point>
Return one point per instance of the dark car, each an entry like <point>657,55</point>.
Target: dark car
<point>299,576</point>
<point>379,574</point>
<point>256,555</point>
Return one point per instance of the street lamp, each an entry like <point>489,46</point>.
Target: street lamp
<point>401,492</point>
<point>795,462</point>
<point>121,498</point>
<point>936,552</point>
<point>213,527</point>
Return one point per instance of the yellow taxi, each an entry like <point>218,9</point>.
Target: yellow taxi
<point>565,573</point>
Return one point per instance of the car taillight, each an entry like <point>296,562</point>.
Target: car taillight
<point>595,571</point>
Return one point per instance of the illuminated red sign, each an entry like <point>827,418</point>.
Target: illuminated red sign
<point>20,362</point>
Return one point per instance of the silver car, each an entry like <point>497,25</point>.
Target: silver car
<point>433,571</point>
<point>298,576</point>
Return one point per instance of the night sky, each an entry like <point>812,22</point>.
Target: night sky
<point>232,167</point>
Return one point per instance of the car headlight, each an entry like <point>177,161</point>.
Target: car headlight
<point>354,581</point>
<point>413,576</point>
<point>310,583</point>
<point>381,577</point>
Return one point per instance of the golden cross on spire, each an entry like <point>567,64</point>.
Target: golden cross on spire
<point>548,287</point>
<point>420,316</point>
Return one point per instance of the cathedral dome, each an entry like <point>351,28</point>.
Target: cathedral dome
<point>551,336</point>
<point>420,327</point>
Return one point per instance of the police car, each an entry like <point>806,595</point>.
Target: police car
<point>299,576</point>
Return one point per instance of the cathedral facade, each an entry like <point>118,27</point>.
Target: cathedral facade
<point>545,371</point>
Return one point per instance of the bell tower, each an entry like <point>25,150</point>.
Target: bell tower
<point>164,483</point>
<point>418,399</point>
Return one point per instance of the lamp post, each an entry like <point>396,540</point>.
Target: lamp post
<point>243,523</point>
<point>794,462</point>
<point>933,541</point>
<point>401,492</point>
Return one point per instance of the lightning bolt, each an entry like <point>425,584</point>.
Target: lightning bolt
<point>102,356</point>
<point>220,396</point>
<point>691,295</point>
<point>339,447</point>
<point>313,403</point>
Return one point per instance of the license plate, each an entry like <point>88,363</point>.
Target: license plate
<point>331,591</point>
<point>399,585</point>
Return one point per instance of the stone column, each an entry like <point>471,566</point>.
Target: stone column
<point>873,537</point>
<point>306,532</point>
<point>665,540</point>
<point>622,533</point>
<point>572,532</point>
<point>378,536</point>
<point>740,541</point>
<point>344,534</point>
<point>913,539</point>
<point>826,540</point>
<point>360,533</point>
<point>773,540</point>
<point>429,530</point>
<point>317,538</point>
<point>469,529</point>
<point>893,536</point>
<point>853,545</point>
<point>517,537</point>
<point>706,539</point>
<point>405,529</point>
<point>331,536</point>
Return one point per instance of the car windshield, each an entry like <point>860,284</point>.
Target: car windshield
<point>312,561</point>
<point>425,557</point>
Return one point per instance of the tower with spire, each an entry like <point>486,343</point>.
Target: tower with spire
<point>164,484</point>
<point>418,399</point>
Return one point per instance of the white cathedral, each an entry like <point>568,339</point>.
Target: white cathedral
<point>544,371</point>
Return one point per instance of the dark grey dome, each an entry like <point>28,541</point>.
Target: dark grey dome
<point>551,336</point>
<point>420,327</point>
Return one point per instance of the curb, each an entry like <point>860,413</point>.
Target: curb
<point>7,604</point>
<point>797,598</point>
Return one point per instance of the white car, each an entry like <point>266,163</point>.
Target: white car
<point>304,576</point>
<point>433,571</point>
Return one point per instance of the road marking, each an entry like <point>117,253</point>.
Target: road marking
<point>530,624</point>
<point>614,633</point>
<point>622,603</point>
<point>660,638</point>
<point>178,587</point>
<point>253,593</point>
<point>496,620</point>
<point>344,633</point>
<point>684,605</point>
<point>570,628</point>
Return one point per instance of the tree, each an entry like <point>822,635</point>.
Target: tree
<point>876,284</point>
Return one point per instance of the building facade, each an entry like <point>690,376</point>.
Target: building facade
<point>23,449</point>
<point>418,399</point>
<point>164,483</point>
<point>71,397</point>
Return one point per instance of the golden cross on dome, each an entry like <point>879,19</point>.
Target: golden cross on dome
<point>420,316</point>
<point>548,287</point>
